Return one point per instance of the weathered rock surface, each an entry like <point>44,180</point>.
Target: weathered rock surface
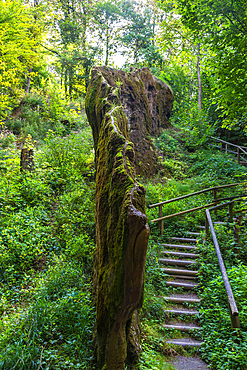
<point>147,104</point>
<point>121,229</point>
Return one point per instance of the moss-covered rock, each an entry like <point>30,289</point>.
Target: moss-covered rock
<point>121,229</point>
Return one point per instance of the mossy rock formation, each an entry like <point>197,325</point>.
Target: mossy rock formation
<point>121,229</point>
<point>147,103</point>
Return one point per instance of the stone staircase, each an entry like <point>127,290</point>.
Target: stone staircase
<point>181,267</point>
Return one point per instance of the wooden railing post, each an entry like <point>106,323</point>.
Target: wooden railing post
<point>221,148</point>
<point>215,200</point>
<point>226,148</point>
<point>234,319</point>
<point>231,212</point>
<point>238,155</point>
<point>161,223</point>
<point>206,226</point>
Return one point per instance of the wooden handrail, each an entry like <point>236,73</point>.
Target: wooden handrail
<point>196,193</point>
<point>229,151</point>
<point>201,207</point>
<point>234,314</point>
<point>226,142</point>
<point>239,149</point>
<point>215,201</point>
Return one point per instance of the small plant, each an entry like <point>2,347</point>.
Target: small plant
<point>6,139</point>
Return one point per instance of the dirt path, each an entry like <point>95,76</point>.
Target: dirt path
<point>189,363</point>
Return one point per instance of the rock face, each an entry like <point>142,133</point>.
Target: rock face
<point>147,104</point>
<point>121,229</point>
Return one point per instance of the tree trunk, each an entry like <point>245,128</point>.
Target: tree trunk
<point>27,162</point>
<point>107,46</point>
<point>70,82</point>
<point>199,78</point>
<point>28,81</point>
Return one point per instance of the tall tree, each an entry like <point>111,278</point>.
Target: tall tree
<point>138,34</point>
<point>19,38</point>
<point>109,19</point>
<point>222,25</point>
<point>181,56</point>
<point>72,43</point>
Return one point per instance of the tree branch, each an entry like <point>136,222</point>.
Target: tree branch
<point>52,51</point>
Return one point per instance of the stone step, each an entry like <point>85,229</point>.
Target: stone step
<point>215,223</point>
<point>183,277</point>
<point>185,342</point>
<point>179,246</point>
<point>189,240</point>
<point>181,254</point>
<point>179,272</point>
<point>176,311</point>
<point>176,262</point>
<point>182,327</point>
<point>184,285</point>
<point>184,299</point>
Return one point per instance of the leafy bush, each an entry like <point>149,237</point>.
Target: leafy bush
<point>26,244</point>
<point>47,213</point>
<point>67,158</point>
<point>56,331</point>
<point>44,111</point>
<point>224,348</point>
<point>6,139</point>
<point>214,168</point>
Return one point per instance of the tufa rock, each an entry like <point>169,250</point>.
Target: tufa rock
<point>147,103</point>
<point>121,229</point>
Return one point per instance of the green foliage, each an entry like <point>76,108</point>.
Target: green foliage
<point>108,17</point>
<point>223,347</point>
<point>25,244</point>
<point>74,223</point>
<point>55,332</point>
<point>213,168</point>
<point>152,360</point>
<point>42,111</point>
<point>46,253</point>
<point>6,139</point>
<point>137,35</point>
<point>221,27</point>
<point>178,77</point>
<point>19,37</point>
<point>67,158</point>
<point>171,155</point>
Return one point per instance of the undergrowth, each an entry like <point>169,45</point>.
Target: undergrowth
<point>47,241</point>
<point>46,250</point>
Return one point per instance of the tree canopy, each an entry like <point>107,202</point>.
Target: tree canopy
<point>20,34</point>
<point>221,26</point>
<point>61,40</point>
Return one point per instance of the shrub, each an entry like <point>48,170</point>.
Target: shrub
<point>56,331</point>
